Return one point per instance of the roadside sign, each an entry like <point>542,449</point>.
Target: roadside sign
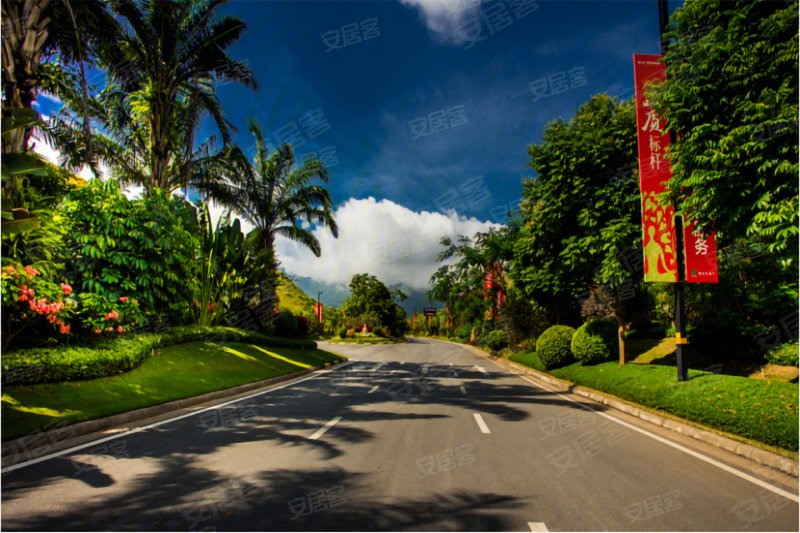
<point>429,311</point>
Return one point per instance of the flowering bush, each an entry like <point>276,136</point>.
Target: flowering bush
<point>34,304</point>
<point>100,317</point>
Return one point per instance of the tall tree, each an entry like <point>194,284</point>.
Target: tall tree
<point>731,98</point>
<point>275,196</point>
<point>369,296</point>
<point>461,281</point>
<point>580,217</point>
<point>162,73</point>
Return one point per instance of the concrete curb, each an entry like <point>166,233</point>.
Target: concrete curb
<point>763,457</point>
<point>30,446</point>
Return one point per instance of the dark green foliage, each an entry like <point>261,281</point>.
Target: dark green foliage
<point>731,97</point>
<point>342,333</point>
<point>785,354</point>
<point>144,248</point>
<point>581,215</point>
<point>553,346</point>
<point>757,409</point>
<point>110,357</point>
<point>595,341</point>
<point>370,297</point>
<point>496,340</point>
<point>286,325</point>
<point>522,318</point>
<point>464,332</point>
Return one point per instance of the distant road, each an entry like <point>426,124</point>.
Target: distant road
<point>416,436</point>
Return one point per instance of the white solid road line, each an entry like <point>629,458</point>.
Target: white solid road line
<point>481,423</point>
<point>537,526</point>
<point>373,389</point>
<point>734,471</point>
<point>162,422</point>
<point>321,431</point>
<point>463,389</point>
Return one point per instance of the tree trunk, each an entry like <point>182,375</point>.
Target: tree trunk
<point>620,328</point>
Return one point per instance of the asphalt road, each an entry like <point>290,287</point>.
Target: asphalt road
<point>417,436</point>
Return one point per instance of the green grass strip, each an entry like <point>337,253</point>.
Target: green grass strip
<point>752,408</point>
<point>180,371</point>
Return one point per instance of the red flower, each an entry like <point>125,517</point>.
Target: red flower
<point>119,329</point>
<point>112,314</point>
<point>66,288</point>
<point>123,298</point>
<point>98,331</point>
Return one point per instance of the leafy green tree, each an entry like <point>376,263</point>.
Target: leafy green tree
<point>460,281</point>
<point>731,98</point>
<point>369,296</point>
<point>580,217</point>
<point>275,197</point>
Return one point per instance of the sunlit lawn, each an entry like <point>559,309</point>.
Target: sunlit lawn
<point>180,371</point>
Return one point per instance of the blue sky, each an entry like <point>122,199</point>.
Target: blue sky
<point>422,109</point>
<point>395,70</point>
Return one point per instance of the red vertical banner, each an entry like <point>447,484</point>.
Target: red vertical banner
<point>700,255</point>
<point>658,226</point>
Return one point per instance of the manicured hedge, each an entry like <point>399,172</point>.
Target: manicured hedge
<point>110,357</point>
<point>528,359</point>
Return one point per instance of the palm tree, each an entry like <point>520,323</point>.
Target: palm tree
<point>35,30</point>
<point>162,73</point>
<point>275,197</point>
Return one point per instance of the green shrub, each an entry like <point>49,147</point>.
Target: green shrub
<point>595,341</point>
<point>497,340</point>
<point>785,354</point>
<point>553,346</point>
<point>342,333</point>
<point>286,325</point>
<point>463,332</point>
<point>380,332</point>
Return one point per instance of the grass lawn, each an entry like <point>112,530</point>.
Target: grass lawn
<point>180,371</point>
<point>760,410</point>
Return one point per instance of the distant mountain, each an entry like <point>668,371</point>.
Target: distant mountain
<point>333,295</point>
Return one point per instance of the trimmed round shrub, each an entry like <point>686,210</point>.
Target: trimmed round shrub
<point>286,325</point>
<point>380,332</point>
<point>595,341</point>
<point>497,340</point>
<point>342,333</point>
<point>553,346</point>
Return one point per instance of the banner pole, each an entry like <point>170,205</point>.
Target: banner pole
<point>680,318</point>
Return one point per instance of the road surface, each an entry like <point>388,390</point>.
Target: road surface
<point>418,436</point>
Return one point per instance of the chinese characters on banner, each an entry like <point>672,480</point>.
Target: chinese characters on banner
<point>700,255</point>
<point>660,257</point>
<point>658,229</point>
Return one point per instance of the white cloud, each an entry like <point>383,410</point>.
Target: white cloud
<point>382,238</point>
<point>446,18</point>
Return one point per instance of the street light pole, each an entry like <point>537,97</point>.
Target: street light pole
<point>681,341</point>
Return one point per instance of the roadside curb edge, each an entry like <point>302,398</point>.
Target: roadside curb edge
<point>761,456</point>
<point>69,435</point>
